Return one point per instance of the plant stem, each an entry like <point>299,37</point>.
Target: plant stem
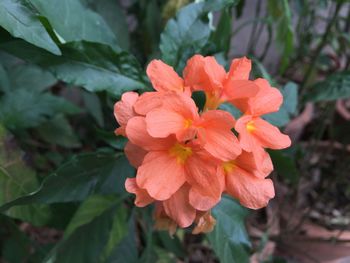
<point>255,25</point>
<point>321,45</point>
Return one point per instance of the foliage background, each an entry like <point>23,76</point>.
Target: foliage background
<point>64,63</point>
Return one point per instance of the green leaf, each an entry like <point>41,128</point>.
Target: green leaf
<point>118,232</point>
<point>92,207</point>
<point>171,244</point>
<point>86,244</point>
<point>126,251</point>
<point>58,131</point>
<point>279,118</point>
<point>4,80</point>
<point>221,37</point>
<point>93,105</point>
<point>74,22</point>
<point>335,86</point>
<point>187,34</point>
<point>21,22</point>
<point>290,97</point>
<point>30,77</point>
<point>23,108</point>
<point>229,238</point>
<point>231,109</point>
<point>109,137</point>
<point>16,245</point>
<point>17,179</point>
<point>82,176</point>
<point>285,166</point>
<point>164,256</point>
<point>113,14</point>
<point>95,67</point>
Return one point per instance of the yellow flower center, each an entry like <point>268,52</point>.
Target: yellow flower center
<point>187,123</point>
<point>229,166</point>
<point>212,101</point>
<point>181,152</point>
<point>250,126</point>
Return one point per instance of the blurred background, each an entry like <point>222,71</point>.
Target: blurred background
<point>63,65</point>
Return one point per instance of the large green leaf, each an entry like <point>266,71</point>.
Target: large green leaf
<point>23,108</point>
<point>83,175</point>
<point>335,86</point>
<point>21,22</point>
<point>92,207</point>
<point>57,130</point>
<point>118,232</point>
<point>229,238</point>
<point>4,80</point>
<point>126,250</point>
<point>187,34</point>
<point>17,179</point>
<point>86,244</point>
<point>72,21</point>
<point>94,66</point>
<point>113,14</point>
<point>93,106</point>
<point>16,245</point>
<point>30,77</point>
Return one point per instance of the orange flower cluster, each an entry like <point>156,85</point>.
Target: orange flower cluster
<point>187,159</point>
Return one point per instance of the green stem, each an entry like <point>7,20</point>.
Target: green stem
<point>321,45</point>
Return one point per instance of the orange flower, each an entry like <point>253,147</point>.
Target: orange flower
<point>186,159</point>
<point>245,180</point>
<point>173,212</point>
<point>169,163</point>
<point>204,73</point>
<point>179,115</point>
<point>254,132</point>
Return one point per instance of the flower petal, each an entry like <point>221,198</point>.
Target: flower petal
<point>174,117</point>
<point>269,136</point>
<point>178,207</point>
<point>163,221</point>
<point>252,192</point>
<point>148,101</point>
<point>161,123</point>
<point>206,185</point>
<point>123,110</point>
<point>137,133</point>
<point>161,175</point>
<point>240,69</point>
<point>164,77</point>
<point>238,89</point>
<point>135,154</point>
<point>264,163</point>
<point>248,142</point>
<point>267,100</point>
<point>205,223</point>
<point>246,161</point>
<point>216,73</point>
<point>142,197</point>
<point>204,73</point>
<point>216,135</point>
<point>194,75</point>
